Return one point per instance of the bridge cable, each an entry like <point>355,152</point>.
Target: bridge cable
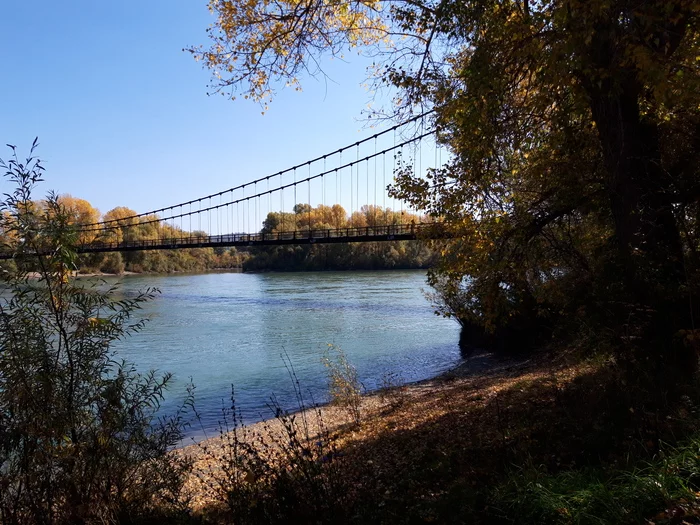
<point>374,212</point>
<point>357,182</point>
<point>175,206</point>
<point>243,199</point>
<point>281,189</point>
<point>384,184</point>
<point>367,185</point>
<point>309,183</point>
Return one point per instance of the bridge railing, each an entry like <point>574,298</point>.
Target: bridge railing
<point>197,241</point>
<point>350,234</point>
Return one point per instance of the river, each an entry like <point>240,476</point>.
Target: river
<point>232,328</point>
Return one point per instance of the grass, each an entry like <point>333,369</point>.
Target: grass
<point>278,471</point>
<point>662,490</point>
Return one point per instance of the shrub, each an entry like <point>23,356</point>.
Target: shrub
<point>286,470</point>
<point>344,384</point>
<point>392,389</point>
<point>79,436</point>
<point>113,263</point>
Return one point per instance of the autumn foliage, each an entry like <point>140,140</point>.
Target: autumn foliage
<point>574,128</point>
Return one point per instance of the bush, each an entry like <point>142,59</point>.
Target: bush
<point>288,470</point>
<point>79,436</point>
<point>344,384</point>
<point>392,389</point>
<point>113,263</point>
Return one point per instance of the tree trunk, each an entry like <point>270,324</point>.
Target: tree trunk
<point>645,227</point>
<point>649,245</point>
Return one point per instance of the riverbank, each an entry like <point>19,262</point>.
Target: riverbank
<point>173,272</point>
<point>388,409</point>
<point>79,275</point>
<point>236,270</point>
<point>530,441</point>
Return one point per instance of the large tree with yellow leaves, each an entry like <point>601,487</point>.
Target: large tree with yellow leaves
<point>575,130</point>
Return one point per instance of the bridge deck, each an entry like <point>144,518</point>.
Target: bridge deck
<point>395,232</point>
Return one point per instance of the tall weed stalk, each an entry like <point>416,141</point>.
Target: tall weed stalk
<point>344,386</point>
<point>285,470</point>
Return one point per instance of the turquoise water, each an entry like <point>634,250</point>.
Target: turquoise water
<point>231,328</point>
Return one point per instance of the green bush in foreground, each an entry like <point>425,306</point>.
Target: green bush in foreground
<point>79,437</point>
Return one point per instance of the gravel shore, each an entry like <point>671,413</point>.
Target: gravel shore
<point>328,420</point>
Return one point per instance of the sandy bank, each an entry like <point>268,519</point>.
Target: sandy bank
<point>409,400</point>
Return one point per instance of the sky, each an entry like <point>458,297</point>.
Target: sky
<point>122,112</point>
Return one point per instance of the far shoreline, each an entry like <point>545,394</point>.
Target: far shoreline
<point>79,275</point>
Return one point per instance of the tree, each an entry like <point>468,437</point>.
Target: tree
<point>260,43</point>
<point>574,125</point>
<point>79,437</point>
<point>576,154</point>
<point>79,211</point>
<point>123,227</point>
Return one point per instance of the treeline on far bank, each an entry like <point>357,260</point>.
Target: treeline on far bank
<point>343,256</point>
<point>398,255</point>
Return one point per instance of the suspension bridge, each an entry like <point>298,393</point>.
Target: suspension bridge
<point>338,197</point>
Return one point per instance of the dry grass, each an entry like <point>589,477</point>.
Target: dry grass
<point>428,401</point>
<point>430,457</point>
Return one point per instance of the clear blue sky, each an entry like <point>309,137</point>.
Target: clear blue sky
<point>122,114</point>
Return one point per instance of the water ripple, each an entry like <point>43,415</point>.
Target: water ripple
<point>222,328</point>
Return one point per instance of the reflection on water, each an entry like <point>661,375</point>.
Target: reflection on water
<point>231,328</point>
